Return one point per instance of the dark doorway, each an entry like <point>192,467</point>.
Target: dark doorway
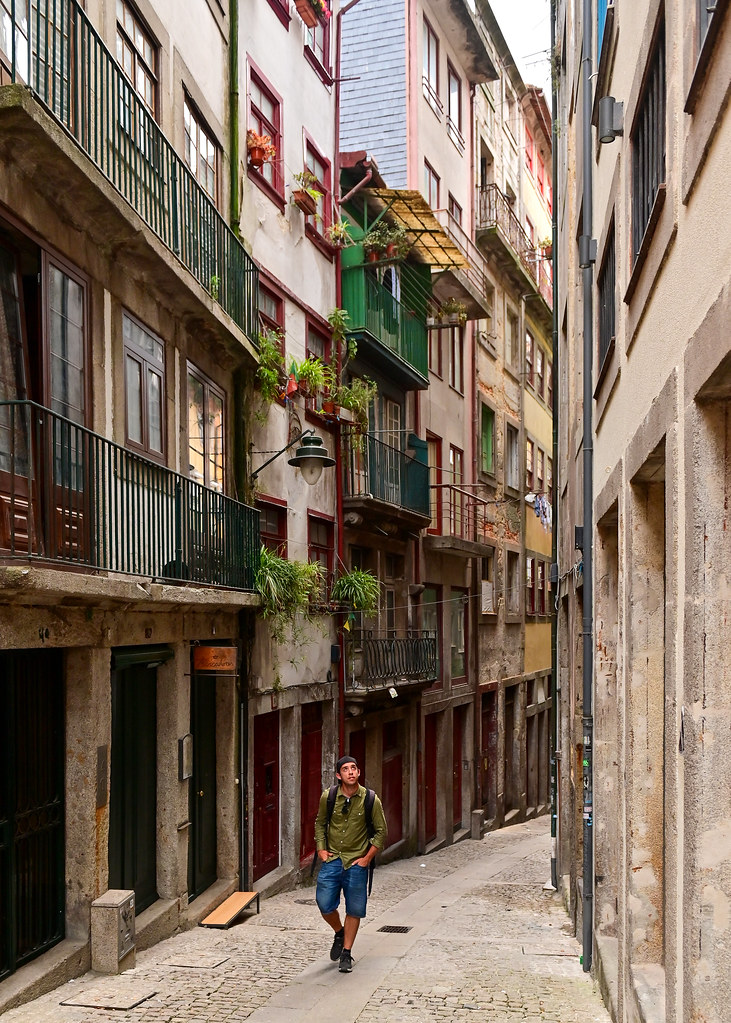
<point>133,797</point>
<point>266,793</point>
<point>202,792</point>
<point>488,754</point>
<point>31,805</point>
<point>393,780</point>
<point>457,738</point>
<point>430,778</point>
<point>311,776</point>
<point>512,754</point>
<point>356,747</point>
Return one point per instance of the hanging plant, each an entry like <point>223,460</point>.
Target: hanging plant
<point>359,591</point>
<point>307,196</point>
<point>287,589</point>
<point>337,234</point>
<point>271,377</point>
<point>312,11</point>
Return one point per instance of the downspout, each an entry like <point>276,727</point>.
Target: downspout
<point>246,634</point>
<point>233,77</point>
<point>586,262</point>
<point>554,455</point>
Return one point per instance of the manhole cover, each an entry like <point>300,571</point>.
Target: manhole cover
<point>395,929</point>
<point>306,902</point>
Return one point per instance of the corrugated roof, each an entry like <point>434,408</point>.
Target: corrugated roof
<point>410,210</point>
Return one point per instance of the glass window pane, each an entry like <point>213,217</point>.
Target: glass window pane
<point>133,388</point>
<point>196,451</point>
<point>154,409</point>
<point>215,441</point>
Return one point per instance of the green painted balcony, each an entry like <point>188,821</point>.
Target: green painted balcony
<point>60,61</point>
<point>383,485</point>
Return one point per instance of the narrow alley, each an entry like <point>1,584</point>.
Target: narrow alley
<point>479,939</point>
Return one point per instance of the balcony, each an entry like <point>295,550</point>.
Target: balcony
<point>468,283</point>
<point>500,232</point>
<point>458,521</point>
<point>61,58</point>
<point>385,329</point>
<point>383,488</point>
<point>74,500</point>
<point>377,663</point>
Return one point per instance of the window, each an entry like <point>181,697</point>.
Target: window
<point>435,350</point>
<point>321,545</point>
<point>606,288</point>
<point>458,614</point>
<point>456,359</point>
<point>431,186</point>
<point>454,108</point>
<point>487,438</point>
<point>540,469</point>
<point>512,589</point>
<point>648,146</point>
<point>265,117</point>
<point>271,309</point>
<point>529,454</point>
<point>317,46</point>
<point>511,339</point>
<point>273,525</point>
<point>530,591</point>
<point>549,384</point>
<point>541,587</point>
<point>431,620</point>
<point>512,460</point>
<point>144,384</point>
<point>530,231</point>
<point>434,459</point>
<point>549,196</point>
<point>137,54</point>
<point>318,344</point>
<point>529,358</point>
<point>539,374</point>
<point>455,210</point>
<point>488,604</point>
<point>430,78</point>
<point>67,344</point>
<point>320,170</point>
<point>456,497</point>
<point>200,150</point>
<point>549,478</point>
<point>529,148</point>
<point>206,405</point>
<point>541,175</point>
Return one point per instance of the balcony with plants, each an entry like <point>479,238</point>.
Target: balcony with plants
<point>385,486</point>
<point>62,74</point>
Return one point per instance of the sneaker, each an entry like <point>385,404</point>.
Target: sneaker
<point>346,961</point>
<point>337,948</point>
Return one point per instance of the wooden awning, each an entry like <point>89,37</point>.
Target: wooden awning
<point>409,209</point>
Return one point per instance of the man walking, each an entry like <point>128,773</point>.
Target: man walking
<point>345,851</point>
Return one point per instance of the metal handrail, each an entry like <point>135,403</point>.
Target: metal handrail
<point>386,319</point>
<point>60,56</point>
<point>378,470</point>
<point>494,211</point>
<point>476,269</point>
<point>457,512</point>
<point>377,661</point>
<point>79,500</point>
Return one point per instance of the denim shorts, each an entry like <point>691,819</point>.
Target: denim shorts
<point>353,882</point>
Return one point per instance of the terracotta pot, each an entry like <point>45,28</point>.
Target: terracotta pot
<point>305,202</point>
<point>329,407</point>
<point>307,12</point>
<point>372,256</point>
<point>390,250</point>
<point>548,251</point>
<point>256,156</point>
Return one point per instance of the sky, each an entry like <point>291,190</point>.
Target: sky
<point>526,26</point>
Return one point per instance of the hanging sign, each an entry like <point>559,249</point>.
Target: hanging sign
<point>219,660</point>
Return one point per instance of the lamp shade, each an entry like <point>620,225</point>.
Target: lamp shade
<point>311,458</point>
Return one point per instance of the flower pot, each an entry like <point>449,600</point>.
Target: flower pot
<point>307,12</point>
<point>391,250</point>
<point>329,407</point>
<point>256,156</point>
<point>452,317</point>
<point>372,256</point>
<point>548,251</point>
<point>305,202</point>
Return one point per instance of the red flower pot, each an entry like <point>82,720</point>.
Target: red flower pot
<point>307,12</point>
<point>256,156</point>
<point>390,250</point>
<point>372,256</point>
<point>305,202</point>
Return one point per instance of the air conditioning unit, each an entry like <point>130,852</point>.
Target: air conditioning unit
<point>488,597</point>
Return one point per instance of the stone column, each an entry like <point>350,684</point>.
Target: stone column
<point>173,722</point>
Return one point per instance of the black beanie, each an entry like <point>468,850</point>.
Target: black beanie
<point>343,761</point>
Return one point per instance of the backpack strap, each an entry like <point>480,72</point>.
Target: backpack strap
<point>370,799</point>
<point>331,796</point>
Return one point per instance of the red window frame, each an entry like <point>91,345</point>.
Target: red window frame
<point>265,125</point>
<point>456,358</point>
<point>317,49</point>
<point>529,149</point>
<point>317,550</point>
<point>529,348</point>
<point>435,351</point>
<point>435,479</point>
<point>319,166</point>
<point>541,174</point>
<point>432,184</point>
<point>274,540</point>
<point>529,464</point>
<point>530,588</point>
<point>541,587</point>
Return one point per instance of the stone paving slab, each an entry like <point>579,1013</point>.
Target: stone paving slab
<point>487,944</point>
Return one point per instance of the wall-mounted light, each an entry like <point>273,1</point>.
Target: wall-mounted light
<point>311,457</point>
<point>611,119</point>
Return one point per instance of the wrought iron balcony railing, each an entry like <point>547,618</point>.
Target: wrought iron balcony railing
<point>375,662</point>
<point>372,307</point>
<point>59,55</point>
<point>494,211</point>
<point>73,498</point>
<point>377,470</point>
<point>457,512</point>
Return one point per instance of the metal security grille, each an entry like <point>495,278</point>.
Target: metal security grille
<point>394,929</point>
<point>648,145</point>
<point>606,284</point>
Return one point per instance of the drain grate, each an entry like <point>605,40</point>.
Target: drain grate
<point>395,929</point>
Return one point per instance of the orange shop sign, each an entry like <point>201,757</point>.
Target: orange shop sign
<point>221,660</point>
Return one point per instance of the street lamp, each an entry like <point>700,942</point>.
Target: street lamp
<point>311,458</point>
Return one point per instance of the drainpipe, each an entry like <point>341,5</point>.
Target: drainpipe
<point>245,632</point>
<point>554,455</point>
<point>586,261</point>
<point>233,78</point>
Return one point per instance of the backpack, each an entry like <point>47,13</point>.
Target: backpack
<point>370,798</point>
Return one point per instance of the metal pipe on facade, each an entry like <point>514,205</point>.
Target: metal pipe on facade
<point>233,113</point>
<point>554,450</point>
<point>588,461</point>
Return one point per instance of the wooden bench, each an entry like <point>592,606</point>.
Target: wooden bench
<point>229,910</point>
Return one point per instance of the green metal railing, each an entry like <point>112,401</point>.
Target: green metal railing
<point>374,469</point>
<point>373,308</point>
<point>75,498</point>
<point>60,56</point>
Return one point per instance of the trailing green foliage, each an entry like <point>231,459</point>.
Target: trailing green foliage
<point>359,590</point>
<point>270,374</point>
<point>287,589</point>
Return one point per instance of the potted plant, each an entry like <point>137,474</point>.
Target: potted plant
<point>397,242</point>
<point>307,195</point>
<point>454,310</point>
<point>260,148</point>
<point>271,377</point>
<point>546,248</point>
<point>312,11</point>
<point>359,591</point>
<point>357,397</point>
<point>337,234</point>
<point>310,376</point>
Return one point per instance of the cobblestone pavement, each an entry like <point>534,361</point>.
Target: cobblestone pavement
<point>486,944</point>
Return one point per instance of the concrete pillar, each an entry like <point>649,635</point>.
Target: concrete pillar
<point>290,751</point>
<point>88,744</point>
<point>173,722</point>
<point>227,770</point>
